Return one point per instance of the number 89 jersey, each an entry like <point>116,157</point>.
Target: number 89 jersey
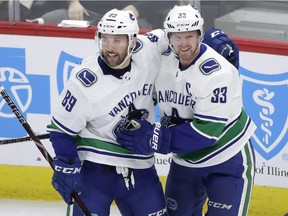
<point>95,100</point>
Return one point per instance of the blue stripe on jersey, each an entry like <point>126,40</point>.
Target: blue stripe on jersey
<point>63,128</point>
<point>229,144</point>
<point>186,138</point>
<point>230,124</point>
<point>230,137</point>
<point>210,118</point>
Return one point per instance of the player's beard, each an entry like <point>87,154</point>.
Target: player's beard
<point>113,59</point>
<point>187,55</point>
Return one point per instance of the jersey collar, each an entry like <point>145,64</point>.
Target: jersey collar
<point>118,73</point>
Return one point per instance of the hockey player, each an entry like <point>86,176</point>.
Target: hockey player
<point>99,94</point>
<point>203,123</point>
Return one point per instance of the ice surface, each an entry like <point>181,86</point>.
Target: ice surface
<point>37,208</point>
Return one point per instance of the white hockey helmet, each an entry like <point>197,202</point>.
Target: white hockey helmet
<point>118,22</point>
<point>182,19</point>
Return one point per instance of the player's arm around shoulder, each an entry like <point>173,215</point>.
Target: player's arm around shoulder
<point>155,39</point>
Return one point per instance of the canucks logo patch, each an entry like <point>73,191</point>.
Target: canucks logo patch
<point>167,52</point>
<point>138,46</point>
<point>265,100</point>
<point>209,66</point>
<point>87,77</point>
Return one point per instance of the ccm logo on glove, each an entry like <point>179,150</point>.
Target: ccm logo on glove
<point>67,170</point>
<point>155,137</point>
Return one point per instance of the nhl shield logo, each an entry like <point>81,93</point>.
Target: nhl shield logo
<point>265,99</point>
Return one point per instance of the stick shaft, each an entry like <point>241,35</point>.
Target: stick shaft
<point>23,139</point>
<point>38,143</point>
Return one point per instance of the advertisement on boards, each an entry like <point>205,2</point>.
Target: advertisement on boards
<point>265,97</point>
<point>34,70</point>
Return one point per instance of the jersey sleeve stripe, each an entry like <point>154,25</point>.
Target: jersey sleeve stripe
<point>63,128</point>
<point>231,136</point>
<point>210,118</point>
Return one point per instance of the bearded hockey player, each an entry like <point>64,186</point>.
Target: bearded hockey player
<point>203,123</point>
<point>101,92</point>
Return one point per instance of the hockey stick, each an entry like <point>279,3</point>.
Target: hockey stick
<point>38,143</point>
<point>23,139</point>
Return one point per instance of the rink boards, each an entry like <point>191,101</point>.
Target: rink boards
<point>39,60</point>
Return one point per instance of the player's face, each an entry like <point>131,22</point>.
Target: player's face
<point>185,44</point>
<point>114,48</point>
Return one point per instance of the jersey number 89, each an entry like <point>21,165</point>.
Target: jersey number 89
<point>69,101</point>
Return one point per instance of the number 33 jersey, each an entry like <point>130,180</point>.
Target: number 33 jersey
<point>208,93</point>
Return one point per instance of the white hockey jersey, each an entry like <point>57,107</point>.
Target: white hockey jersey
<point>94,101</point>
<point>208,93</point>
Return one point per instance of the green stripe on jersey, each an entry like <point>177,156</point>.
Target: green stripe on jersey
<point>99,144</point>
<point>213,129</point>
<point>225,139</point>
<point>249,177</point>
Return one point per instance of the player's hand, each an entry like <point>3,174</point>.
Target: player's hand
<point>144,138</point>
<point>133,113</point>
<point>66,178</point>
<point>170,121</point>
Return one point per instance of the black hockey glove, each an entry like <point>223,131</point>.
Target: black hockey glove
<point>170,121</point>
<point>133,113</point>
<point>219,41</point>
<point>66,178</point>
